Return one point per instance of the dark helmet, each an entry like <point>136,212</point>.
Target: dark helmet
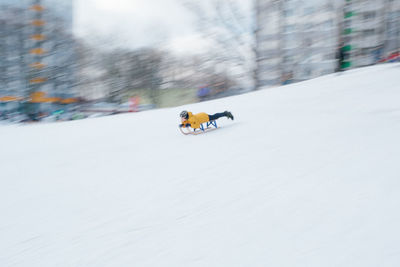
<point>184,114</point>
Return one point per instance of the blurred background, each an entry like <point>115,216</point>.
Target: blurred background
<point>73,59</point>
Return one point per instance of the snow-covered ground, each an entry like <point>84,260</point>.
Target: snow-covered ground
<point>306,175</point>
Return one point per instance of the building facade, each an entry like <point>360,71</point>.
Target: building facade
<point>299,39</point>
<point>363,32</point>
<point>268,38</point>
<point>392,27</point>
<point>370,31</point>
<point>296,40</point>
<point>37,54</point>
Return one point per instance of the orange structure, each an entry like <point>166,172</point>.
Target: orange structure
<point>38,37</point>
<point>37,8</point>
<point>38,80</point>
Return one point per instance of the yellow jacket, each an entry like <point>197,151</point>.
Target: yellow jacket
<point>196,119</point>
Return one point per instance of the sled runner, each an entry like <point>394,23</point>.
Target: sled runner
<point>211,125</point>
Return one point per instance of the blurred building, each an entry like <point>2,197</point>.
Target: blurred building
<point>363,32</point>
<point>37,49</point>
<point>268,39</point>
<point>371,31</point>
<point>296,40</point>
<point>12,55</point>
<point>392,27</point>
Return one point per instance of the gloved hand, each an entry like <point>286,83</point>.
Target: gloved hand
<point>180,125</point>
<point>187,125</point>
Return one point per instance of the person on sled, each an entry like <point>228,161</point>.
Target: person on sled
<point>194,121</point>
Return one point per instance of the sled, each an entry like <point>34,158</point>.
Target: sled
<point>211,126</point>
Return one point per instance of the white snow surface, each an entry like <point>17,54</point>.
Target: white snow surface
<point>306,175</point>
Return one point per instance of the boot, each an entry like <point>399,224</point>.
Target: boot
<point>228,115</point>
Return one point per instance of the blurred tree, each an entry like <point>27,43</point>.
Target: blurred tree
<point>126,70</point>
<point>87,70</point>
<point>12,51</point>
<point>63,59</point>
<point>231,31</point>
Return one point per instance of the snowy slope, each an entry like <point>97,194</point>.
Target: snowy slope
<point>306,175</point>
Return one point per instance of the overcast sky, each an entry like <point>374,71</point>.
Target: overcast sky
<point>138,23</point>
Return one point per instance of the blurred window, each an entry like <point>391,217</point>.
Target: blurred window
<point>289,37</point>
<point>328,23</point>
<point>369,32</point>
<point>307,42</point>
<point>329,6</point>
<point>369,15</point>
<point>329,56</point>
<point>288,59</point>
<point>309,10</point>
<point>288,12</point>
<point>308,26</point>
<point>393,15</point>
<point>365,51</point>
<point>289,28</point>
<point>391,28</point>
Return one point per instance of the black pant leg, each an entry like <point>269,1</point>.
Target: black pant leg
<point>216,116</point>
